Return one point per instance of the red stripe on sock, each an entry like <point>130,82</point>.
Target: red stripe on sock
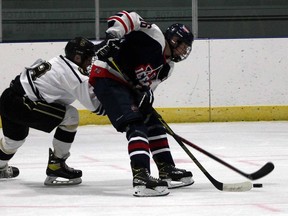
<point>138,145</point>
<point>158,144</point>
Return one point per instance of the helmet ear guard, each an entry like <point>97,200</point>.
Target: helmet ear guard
<point>177,35</point>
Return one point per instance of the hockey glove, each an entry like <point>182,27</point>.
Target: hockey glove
<point>108,48</point>
<point>146,97</point>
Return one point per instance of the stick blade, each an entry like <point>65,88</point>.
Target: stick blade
<point>238,187</point>
<point>265,170</point>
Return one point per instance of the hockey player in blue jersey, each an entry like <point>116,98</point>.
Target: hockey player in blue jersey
<point>134,59</point>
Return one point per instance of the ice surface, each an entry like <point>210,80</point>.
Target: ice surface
<point>106,189</point>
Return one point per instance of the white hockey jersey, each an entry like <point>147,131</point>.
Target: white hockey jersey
<point>58,80</point>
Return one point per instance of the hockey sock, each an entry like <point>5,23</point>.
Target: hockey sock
<point>139,153</point>
<point>160,150</point>
<point>62,142</point>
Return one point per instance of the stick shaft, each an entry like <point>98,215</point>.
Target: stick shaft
<point>237,187</point>
<point>263,171</point>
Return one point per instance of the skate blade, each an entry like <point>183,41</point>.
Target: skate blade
<point>183,182</point>
<point>58,181</point>
<point>142,191</point>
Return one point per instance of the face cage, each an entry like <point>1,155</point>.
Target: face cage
<point>182,56</point>
<point>94,58</point>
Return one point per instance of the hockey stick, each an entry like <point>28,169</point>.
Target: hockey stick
<point>263,171</point>
<point>234,187</point>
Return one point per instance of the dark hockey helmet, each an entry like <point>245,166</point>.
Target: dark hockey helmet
<point>79,46</point>
<point>177,35</point>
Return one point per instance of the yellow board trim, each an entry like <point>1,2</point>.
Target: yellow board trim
<point>249,113</point>
<point>203,114</point>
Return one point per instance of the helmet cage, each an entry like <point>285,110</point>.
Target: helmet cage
<point>176,35</point>
<point>177,45</point>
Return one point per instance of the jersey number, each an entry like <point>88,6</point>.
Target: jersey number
<point>144,24</point>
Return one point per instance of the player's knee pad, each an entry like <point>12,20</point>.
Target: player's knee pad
<point>10,146</point>
<point>71,119</point>
<point>135,129</point>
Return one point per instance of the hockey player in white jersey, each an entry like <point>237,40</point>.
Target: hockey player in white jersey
<point>137,55</point>
<point>40,98</point>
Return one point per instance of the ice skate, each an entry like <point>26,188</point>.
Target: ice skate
<point>58,173</point>
<point>9,172</point>
<point>146,186</point>
<point>173,176</point>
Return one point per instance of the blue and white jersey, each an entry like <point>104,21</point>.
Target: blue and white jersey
<point>141,56</point>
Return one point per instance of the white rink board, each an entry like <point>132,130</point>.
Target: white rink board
<point>217,73</point>
<point>249,72</point>
<point>188,85</point>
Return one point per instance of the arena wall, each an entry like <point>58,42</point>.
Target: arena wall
<point>222,80</point>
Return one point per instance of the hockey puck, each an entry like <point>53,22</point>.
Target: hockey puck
<point>257,185</point>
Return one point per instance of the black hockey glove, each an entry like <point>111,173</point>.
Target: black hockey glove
<point>146,99</point>
<point>108,48</point>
